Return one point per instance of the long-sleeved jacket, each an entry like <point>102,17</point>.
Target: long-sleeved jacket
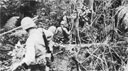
<point>35,45</point>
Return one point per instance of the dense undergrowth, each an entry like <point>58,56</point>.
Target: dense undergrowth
<point>101,49</point>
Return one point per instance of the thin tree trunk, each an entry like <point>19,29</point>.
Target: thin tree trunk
<point>77,30</point>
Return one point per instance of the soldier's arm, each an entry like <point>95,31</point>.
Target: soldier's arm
<point>68,32</point>
<point>29,55</point>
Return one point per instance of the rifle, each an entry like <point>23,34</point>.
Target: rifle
<point>47,47</point>
<point>46,42</point>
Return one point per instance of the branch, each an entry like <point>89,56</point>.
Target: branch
<point>10,31</point>
<point>82,45</point>
<point>95,19</point>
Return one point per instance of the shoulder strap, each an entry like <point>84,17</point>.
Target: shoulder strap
<point>46,42</point>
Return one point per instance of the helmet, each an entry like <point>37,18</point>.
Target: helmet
<point>65,18</point>
<point>52,29</point>
<point>63,22</point>
<point>27,23</point>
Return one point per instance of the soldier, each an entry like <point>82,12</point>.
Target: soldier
<point>62,32</point>
<point>36,45</point>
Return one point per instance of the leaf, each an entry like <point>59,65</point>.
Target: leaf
<point>11,23</point>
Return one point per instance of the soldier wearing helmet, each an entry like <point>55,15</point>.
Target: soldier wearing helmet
<point>35,44</point>
<point>62,32</point>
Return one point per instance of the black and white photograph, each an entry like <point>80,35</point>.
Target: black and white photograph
<point>63,35</point>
